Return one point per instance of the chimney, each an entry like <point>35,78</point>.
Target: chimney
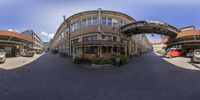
<point>99,9</point>
<point>64,17</point>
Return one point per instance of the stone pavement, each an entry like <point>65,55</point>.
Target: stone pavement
<point>182,62</point>
<point>16,62</point>
<point>147,77</point>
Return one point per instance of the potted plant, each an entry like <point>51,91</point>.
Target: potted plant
<point>77,58</point>
<point>123,59</point>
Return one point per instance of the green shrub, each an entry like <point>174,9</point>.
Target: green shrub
<point>77,56</point>
<point>102,61</point>
<point>123,59</point>
<point>109,61</point>
<point>95,61</point>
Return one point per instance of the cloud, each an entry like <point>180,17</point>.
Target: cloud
<point>10,30</point>
<point>47,35</point>
<point>15,30</point>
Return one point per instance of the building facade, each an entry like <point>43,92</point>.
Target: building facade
<point>46,46</point>
<point>96,34</point>
<point>188,40</point>
<point>13,43</point>
<point>37,44</point>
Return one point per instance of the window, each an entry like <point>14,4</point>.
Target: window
<point>104,21</point>
<point>90,38</point>
<point>104,49</point>
<point>84,22</point>
<point>109,21</point>
<point>89,21</point>
<point>121,40</point>
<point>62,35</point>
<point>103,37</point>
<point>114,39</point>
<point>122,23</point>
<point>114,49</point>
<point>75,26</point>
<point>75,40</point>
<point>90,50</point>
<point>94,20</point>
<point>109,38</point>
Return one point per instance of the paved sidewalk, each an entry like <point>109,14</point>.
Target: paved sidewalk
<point>16,62</point>
<point>182,62</point>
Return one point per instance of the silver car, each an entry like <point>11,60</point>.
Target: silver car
<point>2,56</point>
<point>196,56</point>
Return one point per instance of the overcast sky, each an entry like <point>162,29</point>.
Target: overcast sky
<point>45,16</point>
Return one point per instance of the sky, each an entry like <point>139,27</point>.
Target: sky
<point>45,16</point>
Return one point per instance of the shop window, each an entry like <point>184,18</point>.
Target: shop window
<point>90,50</point>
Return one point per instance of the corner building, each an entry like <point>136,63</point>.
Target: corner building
<point>96,34</point>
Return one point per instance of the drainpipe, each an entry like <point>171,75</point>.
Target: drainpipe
<point>99,23</point>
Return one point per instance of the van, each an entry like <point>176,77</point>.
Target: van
<point>173,52</point>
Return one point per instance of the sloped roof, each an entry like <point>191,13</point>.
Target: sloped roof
<point>188,33</point>
<point>15,34</point>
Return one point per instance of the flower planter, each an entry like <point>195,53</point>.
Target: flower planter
<point>76,62</point>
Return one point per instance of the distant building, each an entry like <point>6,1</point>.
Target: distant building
<point>37,42</point>
<point>160,46</point>
<point>46,46</point>
<point>14,43</point>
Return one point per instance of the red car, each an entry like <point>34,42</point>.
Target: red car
<point>174,52</point>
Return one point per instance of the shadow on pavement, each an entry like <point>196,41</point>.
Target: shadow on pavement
<point>147,77</point>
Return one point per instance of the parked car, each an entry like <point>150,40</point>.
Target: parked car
<point>173,52</point>
<point>2,56</point>
<point>189,54</point>
<point>196,56</point>
<point>29,54</point>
